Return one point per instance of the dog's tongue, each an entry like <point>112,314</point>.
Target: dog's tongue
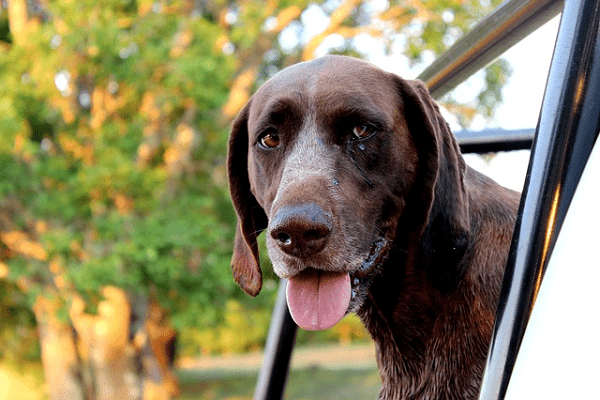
<point>318,299</point>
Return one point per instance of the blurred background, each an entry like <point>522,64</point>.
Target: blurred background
<point>116,227</point>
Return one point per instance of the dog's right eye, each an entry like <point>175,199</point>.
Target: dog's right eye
<point>364,131</point>
<point>269,140</point>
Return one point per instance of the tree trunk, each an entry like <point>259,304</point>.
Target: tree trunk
<point>59,355</point>
<point>115,354</point>
<point>19,22</point>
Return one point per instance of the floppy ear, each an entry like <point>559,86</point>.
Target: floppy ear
<point>444,208</point>
<point>251,217</point>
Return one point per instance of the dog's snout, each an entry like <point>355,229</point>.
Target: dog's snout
<point>301,230</point>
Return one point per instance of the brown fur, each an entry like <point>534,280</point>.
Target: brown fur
<point>429,299</point>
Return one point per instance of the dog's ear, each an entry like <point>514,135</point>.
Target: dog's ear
<point>444,208</point>
<point>251,217</point>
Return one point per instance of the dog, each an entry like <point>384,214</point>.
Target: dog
<point>368,207</point>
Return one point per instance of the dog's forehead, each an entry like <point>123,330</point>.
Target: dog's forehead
<point>323,83</point>
<point>322,69</point>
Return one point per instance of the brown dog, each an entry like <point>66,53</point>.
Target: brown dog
<point>369,207</point>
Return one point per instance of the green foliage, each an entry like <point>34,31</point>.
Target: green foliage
<point>17,335</point>
<point>96,84</point>
<point>242,329</point>
<point>496,75</point>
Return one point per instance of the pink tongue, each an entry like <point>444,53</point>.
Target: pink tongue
<point>318,299</point>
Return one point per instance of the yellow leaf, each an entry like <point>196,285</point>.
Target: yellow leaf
<point>3,270</point>
<point>221,42</point>
<point>56,266</point>
<point>343,11</point>
<point>144,152</point>
<point>145,6</point>
<point>41,227</point>
<point>124,204</point>
<point>93,51</point>
<point>60,26</point>
<point>19,143</point>
<point>171,155</point>
<point>60,282</point>
<point>176,51</point>
<point>23,284</point>
<point>246,78</point>
<point>286,16</point>
<point>98,112</point>
<point>337,18</point>
<point>148,107</point>
<point>237,99</point>
<point>17,20</point>
<point>240,92</point>
<point>185,38</point>
<point>20,243</point>
<point>124,23</point>
<point>185,135</point>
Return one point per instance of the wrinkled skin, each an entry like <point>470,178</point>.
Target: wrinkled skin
<point>352,171</point>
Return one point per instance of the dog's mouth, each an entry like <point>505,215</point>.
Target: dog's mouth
<point>361,278</point>
<point>319,299</point>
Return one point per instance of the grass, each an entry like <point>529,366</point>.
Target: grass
<point>322,373</point>
<point>313,383</point>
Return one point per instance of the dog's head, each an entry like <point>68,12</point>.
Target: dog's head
<point>330,157</point>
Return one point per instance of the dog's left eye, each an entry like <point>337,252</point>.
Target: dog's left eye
<point>364,131</point>
<point>269,140</point>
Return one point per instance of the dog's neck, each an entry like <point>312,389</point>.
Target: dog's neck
<point>423,332</point>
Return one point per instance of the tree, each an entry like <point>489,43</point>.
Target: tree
<point>115,223</point>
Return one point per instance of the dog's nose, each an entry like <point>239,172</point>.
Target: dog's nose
<point>301,230</point>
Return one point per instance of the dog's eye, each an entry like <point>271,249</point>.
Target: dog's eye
<point>364,131</point>
<point>269,140</point>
